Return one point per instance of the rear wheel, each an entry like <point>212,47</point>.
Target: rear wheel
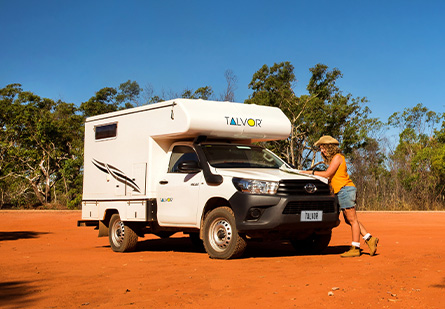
<point>121,236</point>
<point>314,244</point>
<point>221,238</point>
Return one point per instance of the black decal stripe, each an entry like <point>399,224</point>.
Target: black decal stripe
<point>134,186</point>
<point>117,174</point>
<point>124,179</point>
<point>115,169</point>
<point>100,166</point>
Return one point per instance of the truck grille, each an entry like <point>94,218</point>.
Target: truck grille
<point>295,207</point>
<point>296,187</point>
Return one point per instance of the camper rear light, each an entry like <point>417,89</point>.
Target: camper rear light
<point>255,186</point>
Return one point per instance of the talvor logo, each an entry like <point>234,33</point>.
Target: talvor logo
<point>237,121</point>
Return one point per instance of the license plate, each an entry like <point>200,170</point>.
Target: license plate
<point>311,215</point>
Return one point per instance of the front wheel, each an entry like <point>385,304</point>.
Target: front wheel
<point>121,236</point>
<point>221,238</point>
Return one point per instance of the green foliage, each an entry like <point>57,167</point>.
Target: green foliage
<point>274,86</point>
<point>419,158</point>
<point>324,111</point>
<point>129,93</point>
<point>110,99</point>
<point>204,93</point>
<point>103,102</point>
<point>39,136</point>
<point>41,140</point>
<point>155,99</point>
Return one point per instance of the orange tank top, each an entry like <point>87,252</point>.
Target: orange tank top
<point>341,178</point>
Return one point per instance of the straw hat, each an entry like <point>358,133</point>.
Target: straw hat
<point>326,139</point>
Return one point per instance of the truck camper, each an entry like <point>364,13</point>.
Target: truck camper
<point>192,166</point>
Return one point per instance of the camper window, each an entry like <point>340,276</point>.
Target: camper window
<point>106,131</point>
<point>181,154</point>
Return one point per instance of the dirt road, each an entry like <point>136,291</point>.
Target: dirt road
<point>46,261</point>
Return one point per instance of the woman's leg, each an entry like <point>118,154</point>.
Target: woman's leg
<point>363,231</point>
<point>346,219</point>
<point>351,219</point>
<point>371,241</point>
<point>351,216</point>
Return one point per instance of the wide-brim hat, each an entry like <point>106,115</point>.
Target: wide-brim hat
<point>326,139</point>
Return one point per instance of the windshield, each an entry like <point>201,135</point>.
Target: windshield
<point>240,156</point>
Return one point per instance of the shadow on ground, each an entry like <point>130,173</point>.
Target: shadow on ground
<point>254,249</point>
<point>19,235</point>
<point>16,294</point>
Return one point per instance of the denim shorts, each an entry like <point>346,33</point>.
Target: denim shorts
<point>347,197</point>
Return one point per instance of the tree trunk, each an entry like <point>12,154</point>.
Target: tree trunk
<point>37,192</point>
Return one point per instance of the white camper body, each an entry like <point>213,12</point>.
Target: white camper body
<point>170,166</point>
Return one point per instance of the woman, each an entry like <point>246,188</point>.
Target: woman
<point>346,192</point>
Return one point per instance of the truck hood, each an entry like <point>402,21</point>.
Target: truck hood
<point>270,174</point>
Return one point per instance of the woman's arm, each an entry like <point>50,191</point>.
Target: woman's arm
<point>332,168</point>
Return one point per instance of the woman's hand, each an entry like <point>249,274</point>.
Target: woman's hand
<point>332,168</point>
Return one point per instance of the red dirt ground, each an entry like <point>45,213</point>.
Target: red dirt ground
<point>46,261</point>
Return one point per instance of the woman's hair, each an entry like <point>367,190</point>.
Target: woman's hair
<point>331,151</point>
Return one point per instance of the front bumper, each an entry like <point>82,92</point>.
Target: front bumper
<point>281,214</point>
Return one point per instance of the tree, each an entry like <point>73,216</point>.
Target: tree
<point>418,159</point>
<point>7,192</point>
<point>325,110</point>
<point>38,137</point>
<point>333,113</point>
<point>369,173</point>
<point>274,87</point>
<point>103,102</point>
<point>110,99</point>
<point>69,174</point>
<point>437,158</point>
<point>229,92</point>
<point>204,93</point>
<point>129,93</point>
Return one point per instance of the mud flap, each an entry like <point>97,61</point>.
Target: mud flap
<point>103,229</point>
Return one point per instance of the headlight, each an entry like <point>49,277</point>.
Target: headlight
<point>255,186</point>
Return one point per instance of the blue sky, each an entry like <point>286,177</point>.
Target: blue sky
<point>392,52</point>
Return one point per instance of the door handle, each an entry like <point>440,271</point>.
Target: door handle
<point>163,182</point>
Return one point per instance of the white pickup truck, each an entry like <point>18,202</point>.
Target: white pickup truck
<point>191,166</point>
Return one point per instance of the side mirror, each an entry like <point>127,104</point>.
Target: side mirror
<point>189,167</point>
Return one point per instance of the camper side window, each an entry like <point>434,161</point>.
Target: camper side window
<point>106,131</point>
<point>181,154</point>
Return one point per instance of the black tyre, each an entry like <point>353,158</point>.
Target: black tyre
<point>221,238</point>
<point>314,244</point>
<point>121,236</point>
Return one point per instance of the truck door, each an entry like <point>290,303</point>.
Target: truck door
<point>177,193</point>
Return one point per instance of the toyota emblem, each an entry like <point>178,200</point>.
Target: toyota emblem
<point>310,188</point>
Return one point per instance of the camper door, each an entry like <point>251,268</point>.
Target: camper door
<point>178,191</point>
